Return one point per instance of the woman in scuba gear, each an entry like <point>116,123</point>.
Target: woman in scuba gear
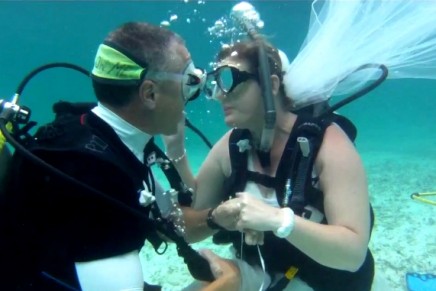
<point>324,244</point>
<point>309,244</point>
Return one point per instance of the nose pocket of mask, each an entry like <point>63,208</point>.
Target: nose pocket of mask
<point>193,83</point>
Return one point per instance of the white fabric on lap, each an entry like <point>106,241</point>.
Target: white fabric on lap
<point>116,273</point>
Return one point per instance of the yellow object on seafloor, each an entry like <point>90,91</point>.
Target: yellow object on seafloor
<point>291,272</point>
<point>2,138</point>
<point>420,197</point>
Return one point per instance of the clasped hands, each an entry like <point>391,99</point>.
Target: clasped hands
<point>249,215</point>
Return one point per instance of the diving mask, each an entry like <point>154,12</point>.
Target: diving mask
<point>225,78</point>
<point>193,82</point>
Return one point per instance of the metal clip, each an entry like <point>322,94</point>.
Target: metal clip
<point>304,146</point>
<point>145,196</point>
<point>288,192</point>
<point>243,144</point>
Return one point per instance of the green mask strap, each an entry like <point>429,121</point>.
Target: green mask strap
<point>113,66</point>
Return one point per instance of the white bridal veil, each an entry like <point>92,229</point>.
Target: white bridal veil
<point>345,34</point>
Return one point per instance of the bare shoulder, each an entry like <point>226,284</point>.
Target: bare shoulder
<point>336,149</point>
<point>212,175</point>
<point>222,143</point>
<point>220,153</point>
<point>336,139</point>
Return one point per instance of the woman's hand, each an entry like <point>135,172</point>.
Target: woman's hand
<point>255,214</point>
<point>247,213</point>
<point>253,237</point>
<point>227,214</point>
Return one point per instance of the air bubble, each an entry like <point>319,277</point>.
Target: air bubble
<point>165,23</point>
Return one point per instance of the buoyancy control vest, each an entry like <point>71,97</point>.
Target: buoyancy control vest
<point>90,143</point>
<point>294,187</point>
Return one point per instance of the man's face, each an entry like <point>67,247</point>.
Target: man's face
<point>171,102</point>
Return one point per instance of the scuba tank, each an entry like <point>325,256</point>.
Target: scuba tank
<point>5,158</point>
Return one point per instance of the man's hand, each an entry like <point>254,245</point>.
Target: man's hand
<point>175,143</point>
<point>227,214</point>
<point>226,273</point>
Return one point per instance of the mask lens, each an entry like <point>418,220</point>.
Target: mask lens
<point>193,82</point>
<point>191,86</point>
<point>210,87</point>
<point>225,79</point>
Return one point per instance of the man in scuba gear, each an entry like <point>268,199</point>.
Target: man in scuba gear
<point>80,222</point>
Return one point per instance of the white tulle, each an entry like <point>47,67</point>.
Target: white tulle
<point>345,34</point>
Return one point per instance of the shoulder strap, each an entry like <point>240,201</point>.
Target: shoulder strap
<point>311,134</point>
<point>296,168</point>
<point>238,142</point>
<point>238,178</point>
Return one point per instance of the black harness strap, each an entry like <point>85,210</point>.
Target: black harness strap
<point>239,161</point>
<point>309,134</point>
<point>262,179</point>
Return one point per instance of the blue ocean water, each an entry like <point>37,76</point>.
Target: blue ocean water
<point>397,120</point>
<point>34,33</point>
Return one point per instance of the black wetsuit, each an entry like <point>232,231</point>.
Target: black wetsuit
<point>48,223</point>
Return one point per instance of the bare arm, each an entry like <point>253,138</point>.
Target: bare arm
<point>211,176</point>
<point>345,239</point>
<point>175,150</point>
<point>208,185</point>
<point>212,173</point>
<point>195,222</point>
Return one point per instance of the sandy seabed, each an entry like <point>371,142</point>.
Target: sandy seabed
<point>404,235</point>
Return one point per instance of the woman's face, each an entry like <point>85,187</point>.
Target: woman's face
<point>242,106</point>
